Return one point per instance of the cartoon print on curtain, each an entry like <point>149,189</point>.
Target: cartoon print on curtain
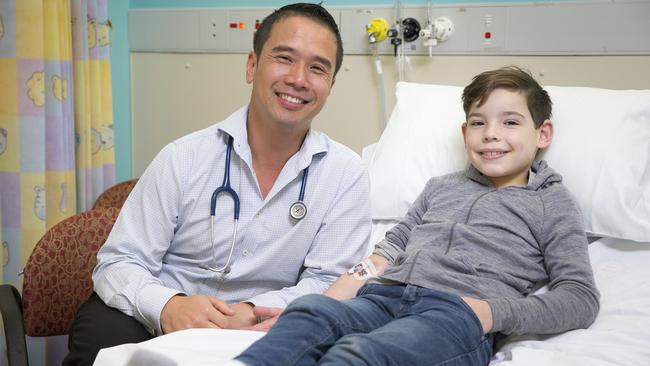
<point>56,90</point>
<point>93,108</point>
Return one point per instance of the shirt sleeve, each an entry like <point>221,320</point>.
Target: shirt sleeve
<point>129,262</point>
<point>572,300</point>
<point>341,241</point>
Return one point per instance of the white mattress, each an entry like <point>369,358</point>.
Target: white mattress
<point>619,336</point>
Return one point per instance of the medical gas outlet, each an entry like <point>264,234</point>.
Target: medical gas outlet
<point>409,29</point>
<point>438,30</point>
<point>377,30</point>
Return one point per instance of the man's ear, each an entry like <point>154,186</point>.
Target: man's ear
<point>251,64</point>
<point>545,134</point>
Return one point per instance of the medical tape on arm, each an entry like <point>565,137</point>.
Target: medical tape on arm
<point>363,270</point>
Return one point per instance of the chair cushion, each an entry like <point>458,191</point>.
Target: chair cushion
<point>57,277</point>
<point>115,195</point>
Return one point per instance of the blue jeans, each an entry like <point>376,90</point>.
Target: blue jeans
<point>383,325</point>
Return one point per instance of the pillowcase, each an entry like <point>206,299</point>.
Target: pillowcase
<point>601,147</point>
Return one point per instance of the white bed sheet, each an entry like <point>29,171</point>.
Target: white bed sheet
<point>619,336</point>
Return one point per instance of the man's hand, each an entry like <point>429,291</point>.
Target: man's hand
<point>483,312</point>
<point>243,316</point>
<point>198,311</point>
<point>269,316</point>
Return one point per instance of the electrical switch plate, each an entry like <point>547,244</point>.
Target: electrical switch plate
<point>213,26</point>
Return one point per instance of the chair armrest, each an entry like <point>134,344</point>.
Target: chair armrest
<point>12,319</point>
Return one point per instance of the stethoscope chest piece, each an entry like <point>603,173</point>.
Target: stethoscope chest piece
<point>298,210</point>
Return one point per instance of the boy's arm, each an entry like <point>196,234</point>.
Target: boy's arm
<point>398,236</point>
<point>572,300</point>
<point>347,285</point>
<point>387,250</point>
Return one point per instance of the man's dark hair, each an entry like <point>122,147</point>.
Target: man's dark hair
<point>314,12</point>
<point>514,79</point>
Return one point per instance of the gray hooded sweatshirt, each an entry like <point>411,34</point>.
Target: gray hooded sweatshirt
<point>465,237</point>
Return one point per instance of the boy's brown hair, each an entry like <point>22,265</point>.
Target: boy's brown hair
<point>512,78</point>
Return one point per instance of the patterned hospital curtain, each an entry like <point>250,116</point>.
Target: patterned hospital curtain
<point>56,129</point>
<point>93,106</point>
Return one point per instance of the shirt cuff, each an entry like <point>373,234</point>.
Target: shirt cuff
<point>268,300</point>
<point>150,302</point>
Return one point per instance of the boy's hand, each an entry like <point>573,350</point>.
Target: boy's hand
<point>268,315</point>
<point>483,312</point>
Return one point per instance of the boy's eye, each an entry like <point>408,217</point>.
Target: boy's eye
<point>476,123</point>
<point>511,122</point>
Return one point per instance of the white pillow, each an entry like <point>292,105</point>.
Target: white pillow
<point>601,147</point>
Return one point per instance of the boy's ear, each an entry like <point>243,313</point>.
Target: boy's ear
<point>463,129</point>
<point>545,134</point>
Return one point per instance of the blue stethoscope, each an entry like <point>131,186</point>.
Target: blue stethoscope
<point>297,211</point>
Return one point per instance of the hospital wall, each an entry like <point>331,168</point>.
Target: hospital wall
<point>175,93</point>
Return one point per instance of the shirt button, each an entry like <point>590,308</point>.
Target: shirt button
<point>246,252</point>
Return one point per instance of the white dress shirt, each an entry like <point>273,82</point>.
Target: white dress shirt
<point>160,243</point>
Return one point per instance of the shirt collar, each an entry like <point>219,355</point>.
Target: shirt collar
<point>315,143</point>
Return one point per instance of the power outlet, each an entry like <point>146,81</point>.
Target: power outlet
<point>213,31</point>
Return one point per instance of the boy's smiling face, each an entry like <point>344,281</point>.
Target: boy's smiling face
<point>501,139</point>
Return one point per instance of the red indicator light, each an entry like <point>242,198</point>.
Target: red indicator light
<point>233,25</point>
<point>488,35</point>
<point>257,24</point>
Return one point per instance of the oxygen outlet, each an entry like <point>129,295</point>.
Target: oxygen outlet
<point>377,30</point>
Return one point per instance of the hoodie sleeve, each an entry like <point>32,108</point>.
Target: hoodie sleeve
<point>572,300</point>
<point>397,237</point>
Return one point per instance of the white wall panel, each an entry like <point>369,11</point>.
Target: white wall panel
<point>563,28</point>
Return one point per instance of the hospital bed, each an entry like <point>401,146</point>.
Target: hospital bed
<point>602,149</point>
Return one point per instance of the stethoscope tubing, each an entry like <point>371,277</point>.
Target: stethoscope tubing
<point>225,188</point>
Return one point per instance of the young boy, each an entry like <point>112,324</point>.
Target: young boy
<point>463,263</point>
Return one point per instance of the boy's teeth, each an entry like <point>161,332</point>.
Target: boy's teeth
<point>492,153</point>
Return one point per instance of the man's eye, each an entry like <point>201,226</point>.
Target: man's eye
<point>284,58</point>
<point>319,69</point>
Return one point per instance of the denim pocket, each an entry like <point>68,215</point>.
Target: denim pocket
<point>364,289</point>
<point>473,315</point>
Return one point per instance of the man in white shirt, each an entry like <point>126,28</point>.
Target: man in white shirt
<point>165,268</point>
